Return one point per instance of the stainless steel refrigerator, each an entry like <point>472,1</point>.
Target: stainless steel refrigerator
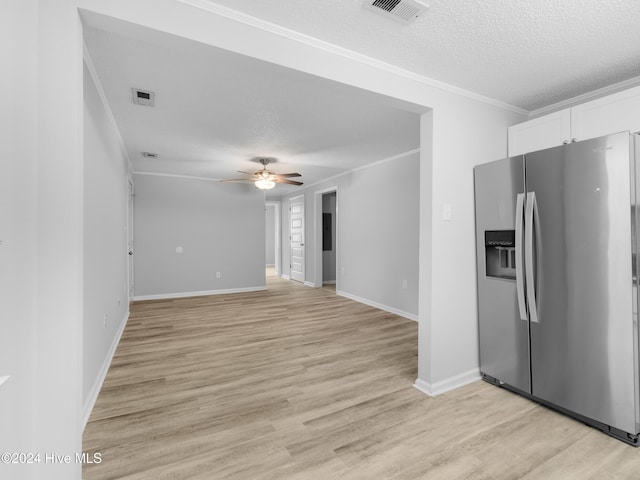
<point>557,289</point>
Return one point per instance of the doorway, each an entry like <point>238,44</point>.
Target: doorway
<point>329,257</point>
<point>326,237</point>
<point>273,249</point>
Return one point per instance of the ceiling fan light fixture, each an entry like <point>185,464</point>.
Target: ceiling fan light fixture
<point>265,184</point>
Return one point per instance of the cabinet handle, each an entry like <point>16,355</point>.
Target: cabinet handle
<point>565,142</point>
<point>574,140</point>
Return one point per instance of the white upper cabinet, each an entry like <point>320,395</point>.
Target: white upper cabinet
<point>540,133</point>
<point>611,114</point>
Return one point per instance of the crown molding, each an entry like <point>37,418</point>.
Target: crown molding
<point>298,189</point>
<point>173,175</point>
<point>293,35</point>
<point>585,97</point>
<point>356,169</point>
<point>88,61</point>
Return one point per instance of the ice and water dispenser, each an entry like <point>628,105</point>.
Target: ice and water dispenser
<point>500,253</point>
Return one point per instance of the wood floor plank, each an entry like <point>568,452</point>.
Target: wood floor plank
<point>299,383</point>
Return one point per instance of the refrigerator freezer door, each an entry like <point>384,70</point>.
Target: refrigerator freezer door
<point>504,337</point>
<point>582,348</point>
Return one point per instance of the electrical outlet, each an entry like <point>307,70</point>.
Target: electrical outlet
<point>105,321</point>
<point>404,284</point>
<point>218,275</point>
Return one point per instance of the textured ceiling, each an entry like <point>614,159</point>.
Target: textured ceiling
<point>216,111</point>
<point>527,53</point>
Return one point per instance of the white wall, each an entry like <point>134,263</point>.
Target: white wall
<point>463,133</point>
<point>377,233</point>
<point>41,233</point>
<point>59,288</point>
<point>105,242</point>
<point>270,234</point>
<point>18,189</point>
<point>219,227</point>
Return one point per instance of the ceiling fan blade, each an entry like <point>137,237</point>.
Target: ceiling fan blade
<point>290,182</point>
<point>288,174</point>
<point>247,173</point>
<point>239,180</point>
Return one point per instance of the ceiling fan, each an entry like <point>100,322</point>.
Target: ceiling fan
<point>265,179</point>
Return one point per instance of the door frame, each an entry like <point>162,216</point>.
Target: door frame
<point>317,236</point>
<point>131,195</point>
<point>303,243</point>
<point>278,232</point>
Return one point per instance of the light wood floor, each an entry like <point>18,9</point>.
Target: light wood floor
<point>298,383</point>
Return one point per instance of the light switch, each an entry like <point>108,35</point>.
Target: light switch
<point>446,212</point>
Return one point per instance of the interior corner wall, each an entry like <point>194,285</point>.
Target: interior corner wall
<point>377,233</point>
<point>106,302</point>
<point>425,278</point>
<point>186,230</point>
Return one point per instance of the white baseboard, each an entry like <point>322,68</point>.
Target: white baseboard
<point>310,284</point>
<point>285,276</point>
<point>448,384</point>
<point>328,282</point>
<point>380,306</point>
<point>102,374</point>
<point>164,296</point>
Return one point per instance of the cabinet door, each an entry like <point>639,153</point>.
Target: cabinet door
<point>611,114</point>
<point>540,133</point>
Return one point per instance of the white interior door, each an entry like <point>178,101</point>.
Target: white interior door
<point>297,238</point>
<point>130,239</point>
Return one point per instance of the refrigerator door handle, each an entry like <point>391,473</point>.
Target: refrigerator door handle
<point>522,306</point>
<point>531,210</point>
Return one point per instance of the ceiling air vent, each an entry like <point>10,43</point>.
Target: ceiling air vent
<point>404,11</point>
<point>142,97</point>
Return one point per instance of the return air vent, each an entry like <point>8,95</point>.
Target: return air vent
<point>403,11</point>
<point>142,97</point>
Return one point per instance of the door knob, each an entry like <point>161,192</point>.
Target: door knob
<point>130,252</point>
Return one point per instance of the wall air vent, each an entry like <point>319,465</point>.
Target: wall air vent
<point>403,11</point>
<point>142,97</point>
<point>149,155</point>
